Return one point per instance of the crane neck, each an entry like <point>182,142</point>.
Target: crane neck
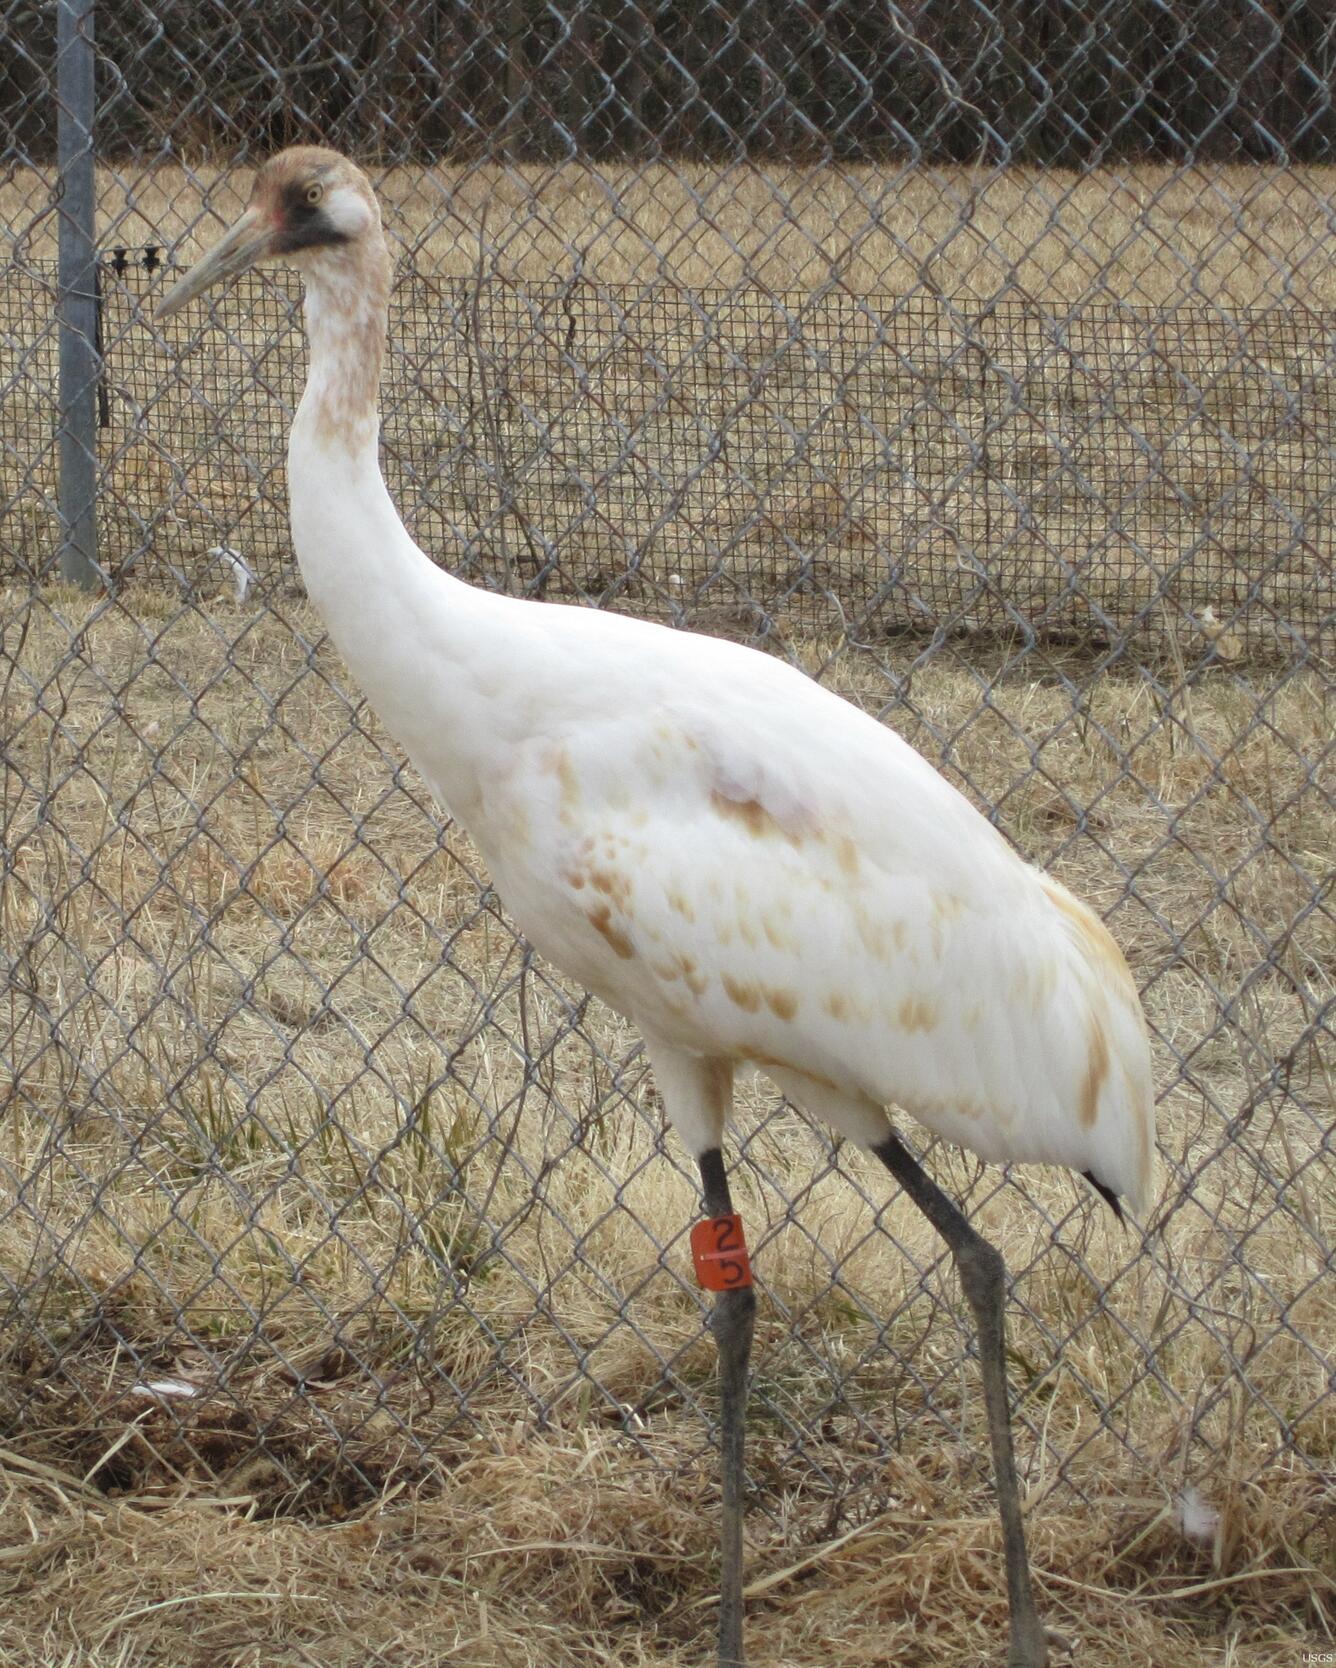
<point>413,636</point>
<point>347,312</point>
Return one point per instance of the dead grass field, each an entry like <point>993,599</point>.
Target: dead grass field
<point>767,395</point>
<point>261,1033</point>
<point>1145,235</point>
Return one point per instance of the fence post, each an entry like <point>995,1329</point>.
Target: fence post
<point>76,304</point>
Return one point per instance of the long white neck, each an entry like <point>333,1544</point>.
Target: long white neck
<point>421,645</point>
<point>347,310</point>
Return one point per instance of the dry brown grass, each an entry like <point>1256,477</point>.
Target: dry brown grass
<point>550,1552</point>
<point>1163,479</point>
<point>1238,236</point>
<point>214,954</point>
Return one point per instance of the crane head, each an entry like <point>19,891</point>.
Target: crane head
<point>305,202</point>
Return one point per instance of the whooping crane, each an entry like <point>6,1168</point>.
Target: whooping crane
<point>742,863</point>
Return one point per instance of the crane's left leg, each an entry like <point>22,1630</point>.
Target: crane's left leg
<point>732,1323</point>
<point>983,1277</point>
<point>697,1096</point>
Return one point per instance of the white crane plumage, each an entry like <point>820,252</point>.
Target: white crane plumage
<point>742,863</point>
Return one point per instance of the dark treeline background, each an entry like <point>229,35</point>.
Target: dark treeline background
<point>1066,82</point>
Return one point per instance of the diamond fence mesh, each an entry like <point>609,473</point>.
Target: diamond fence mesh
<point>749,455</point>
<point>983,365</point>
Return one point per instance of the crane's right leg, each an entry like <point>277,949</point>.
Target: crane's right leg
<point>983,1280</point>
<point>697,1095</point>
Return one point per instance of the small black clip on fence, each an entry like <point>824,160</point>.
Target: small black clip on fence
<point>150,259</point>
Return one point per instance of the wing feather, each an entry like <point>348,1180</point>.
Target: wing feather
<point>779,878</point>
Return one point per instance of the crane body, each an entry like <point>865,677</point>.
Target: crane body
<point>748,867</point>
<point>740,861</point>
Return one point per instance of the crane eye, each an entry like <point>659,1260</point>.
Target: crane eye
<point>314,192</point>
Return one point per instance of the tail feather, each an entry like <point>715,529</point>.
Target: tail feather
<point>1109,1197</point>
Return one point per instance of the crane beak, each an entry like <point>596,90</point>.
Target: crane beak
<point>250,240</point>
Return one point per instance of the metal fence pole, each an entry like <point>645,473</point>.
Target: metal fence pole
<point>77,300</point>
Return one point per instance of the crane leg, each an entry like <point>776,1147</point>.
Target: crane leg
<point>732,1323</point>
<point>983,1278</point>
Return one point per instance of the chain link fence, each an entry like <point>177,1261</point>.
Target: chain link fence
<point>982,363</point>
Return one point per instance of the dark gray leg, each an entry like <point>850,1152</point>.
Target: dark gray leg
<point>983,1278</point>
<point>732,1322</point>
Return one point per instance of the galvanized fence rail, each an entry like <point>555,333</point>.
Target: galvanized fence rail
<point>309,1170</point>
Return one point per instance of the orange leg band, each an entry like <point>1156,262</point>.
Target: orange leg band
<point>719,1251</point>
